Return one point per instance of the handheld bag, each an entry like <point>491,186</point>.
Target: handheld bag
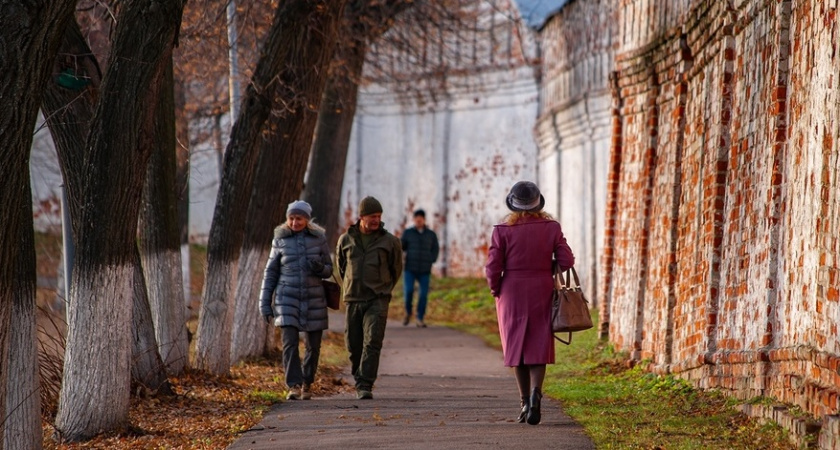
<point>570,310</point>
<point>332,292</point>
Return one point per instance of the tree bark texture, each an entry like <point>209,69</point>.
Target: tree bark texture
<point>95,388</point>
<point>71,113</point>
<point>69,110</point>
<point>147,367</point>
<point>23,400</point>
<point>332,139</point>
<point>278,181</point>
<point>29,35</point>
<point>299,26</point>
<point>160,243</point>
<point>364,22</point>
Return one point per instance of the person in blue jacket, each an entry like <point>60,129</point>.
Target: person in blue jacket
<point>420,245</point>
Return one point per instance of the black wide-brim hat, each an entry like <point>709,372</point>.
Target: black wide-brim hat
<point>525,196</point>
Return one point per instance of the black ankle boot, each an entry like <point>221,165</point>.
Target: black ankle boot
<point>526,406</point>
<point>533,416</point>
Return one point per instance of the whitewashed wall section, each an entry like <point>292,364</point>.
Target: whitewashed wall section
<point>574,144</point>
<point>455,158</point>
<point>45,180</point>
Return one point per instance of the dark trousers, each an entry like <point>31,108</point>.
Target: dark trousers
<point>409,278</point>
<point>364,335</point>
<point>297,373</point>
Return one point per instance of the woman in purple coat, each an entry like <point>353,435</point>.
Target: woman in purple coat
<point>519,271</point>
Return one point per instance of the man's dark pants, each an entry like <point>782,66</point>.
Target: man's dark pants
<point>364,335</point>
<point>297,374</point>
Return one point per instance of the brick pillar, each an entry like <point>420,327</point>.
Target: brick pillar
<point>717,180</point>
<point>775,195</point>
<point>649,174</point>
<point>613,184</point>
<point>686,62</point>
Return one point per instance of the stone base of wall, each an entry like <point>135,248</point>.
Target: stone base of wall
<point>803,432</point>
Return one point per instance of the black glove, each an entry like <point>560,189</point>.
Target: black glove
<point>268,318</point>
<point>316,267</point>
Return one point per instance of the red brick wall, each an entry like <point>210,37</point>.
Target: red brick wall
<point>722,231</point>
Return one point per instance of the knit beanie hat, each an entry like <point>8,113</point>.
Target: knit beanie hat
<point>369,205</point>
<point>300,208</point>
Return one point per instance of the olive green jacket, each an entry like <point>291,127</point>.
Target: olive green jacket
<point>368,273</point>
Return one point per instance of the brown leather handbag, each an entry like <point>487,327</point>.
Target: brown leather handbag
<point>332,292</point>
<point>570,310</point>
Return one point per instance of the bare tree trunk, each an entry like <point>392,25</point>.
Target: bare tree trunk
<point>300,40</point>
<point>29,35</point>
<point>160,244</point>
<point>147,368</point>
<point>364,22</point>
<point>71,111</point>
<point>289,141</point>
<point>23,401</point>
<point>332,140</point>
<point>95,387</point>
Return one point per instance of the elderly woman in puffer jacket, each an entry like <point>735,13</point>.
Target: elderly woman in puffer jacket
<point>292,296</point>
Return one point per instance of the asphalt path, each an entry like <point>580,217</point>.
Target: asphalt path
<point>437,389</point>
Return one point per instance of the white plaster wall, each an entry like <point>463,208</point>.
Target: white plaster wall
<point>204,177</point>
<point>45,181</point>
<point>574,147</point>
<point>456,159</point>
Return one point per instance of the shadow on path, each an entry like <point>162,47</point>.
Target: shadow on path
<point>438,388</point>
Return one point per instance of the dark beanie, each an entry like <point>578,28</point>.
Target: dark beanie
<point>369,205</point>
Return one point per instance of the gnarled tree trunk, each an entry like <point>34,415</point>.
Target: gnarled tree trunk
<point>299,41</point>
<point>364,22</point>
<point>332,140</point>
<point>70,111</point>
<point>95,388</point>
<point>160,243</point>
<point>23,400</point>
<point>29,35</point>
<point>147,368</point>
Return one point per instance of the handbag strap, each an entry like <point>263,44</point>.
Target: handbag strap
<point>571,271</point>
<point>561,281</point>
<point>561,339</point>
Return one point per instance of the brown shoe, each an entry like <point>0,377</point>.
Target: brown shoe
<point>294,393</point>
<point>306,392</point>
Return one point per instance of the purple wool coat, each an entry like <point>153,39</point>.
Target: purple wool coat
<point>519,272</point>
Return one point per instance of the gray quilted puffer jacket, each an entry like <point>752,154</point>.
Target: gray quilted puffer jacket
<point>290,290</point>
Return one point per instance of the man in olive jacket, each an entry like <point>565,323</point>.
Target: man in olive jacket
<point>370,263</point>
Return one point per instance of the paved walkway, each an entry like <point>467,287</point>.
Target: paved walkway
<point>438,388</point>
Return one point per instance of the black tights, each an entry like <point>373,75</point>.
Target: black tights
<point>529,376</point>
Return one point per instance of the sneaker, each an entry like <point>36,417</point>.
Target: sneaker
<point>306,392</point>
<point>294,393</point>
<point>406,320</point>
<point>421,324</point>
<point>364,394</point>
